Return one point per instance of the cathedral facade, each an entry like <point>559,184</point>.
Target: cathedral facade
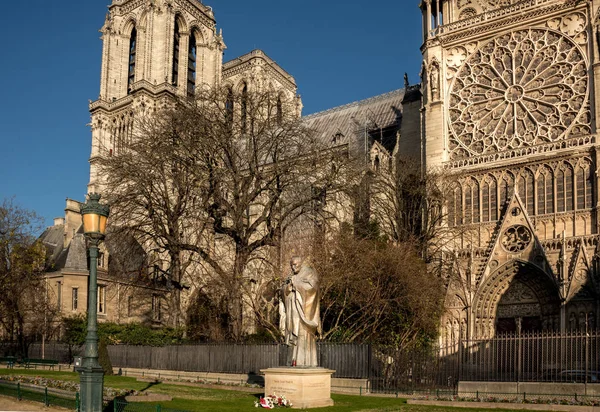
<point>509,108</point>
<point>506,104</point>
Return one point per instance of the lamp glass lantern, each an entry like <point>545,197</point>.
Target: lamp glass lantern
<point>95,216</point>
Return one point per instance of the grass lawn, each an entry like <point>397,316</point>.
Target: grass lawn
<point>192,398</point>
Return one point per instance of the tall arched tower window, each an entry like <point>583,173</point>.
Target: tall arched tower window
<point>584,181</point>
<point>526,190</point>
<point>229,107</point>
<point>279,110</point>
<point>244,107</point>
<point>564,189</point>
<point>192,55</point>
<point>545,191</point>
<point>176,41</point>
<point>472,202</point>
<point>506,186</point>
<point>455,210</point>
<point>489,199</point>
<point>131,70</point>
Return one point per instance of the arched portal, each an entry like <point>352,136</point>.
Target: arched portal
<point>518,296</point>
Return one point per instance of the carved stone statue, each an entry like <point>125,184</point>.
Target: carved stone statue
<point>302,316</point>
<point>435,82</point>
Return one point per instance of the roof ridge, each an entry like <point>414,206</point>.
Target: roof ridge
<point>355,103</point>
<point>257,53</point>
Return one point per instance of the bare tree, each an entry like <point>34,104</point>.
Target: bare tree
<point>153,184</point>
<point>409,204</point>
<point>24,309</point>
<point>219,177</point>
<point>375,291</point>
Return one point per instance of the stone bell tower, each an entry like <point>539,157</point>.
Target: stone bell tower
<point>509,108</point>
<point>151,49</point>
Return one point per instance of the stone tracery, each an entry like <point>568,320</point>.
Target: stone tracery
<point>516,238</point>
<point>566,183</point>
<point>520,89</point>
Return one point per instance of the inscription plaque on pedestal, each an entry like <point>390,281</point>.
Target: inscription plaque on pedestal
<point>304,387</point>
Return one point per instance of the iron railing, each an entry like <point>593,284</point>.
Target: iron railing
<point>42,395</point>
<point>526,357</point>
<point>531,357</point>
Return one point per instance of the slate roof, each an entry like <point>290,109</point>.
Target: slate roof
<point>77,254</point>
<point>73,257</point>
<point>347,123</point>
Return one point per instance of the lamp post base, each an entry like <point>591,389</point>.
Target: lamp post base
<point>91,388</point>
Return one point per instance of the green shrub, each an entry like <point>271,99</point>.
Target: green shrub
<point>104,358</point>
<point>126,334</point>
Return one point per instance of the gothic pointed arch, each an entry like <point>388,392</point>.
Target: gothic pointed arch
<point>229,104</point>
<point>526,189</point>
<point>584,187</point>
<point>545,190</point>
<point>506,188</point>
<point>472,204</point>
<point>129,23</point>
<point>515,238</point>
<point>243,105</point>
<point>177,29</point>
<point>517,289</point>
<point>132,59</point>
<point>192,57</point>
<point>580,283</point>
<point>489,199</point>
<point>455,208</point>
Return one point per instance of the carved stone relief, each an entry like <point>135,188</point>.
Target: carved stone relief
<point>518,301</point>
<point>467,13</point>
<point>495,4</point>
<point>520,89</point>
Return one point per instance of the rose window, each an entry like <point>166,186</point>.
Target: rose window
<point>521,89</point>
<point>516,238</point>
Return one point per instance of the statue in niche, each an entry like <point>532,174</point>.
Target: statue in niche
<point>591,321</point>
<point>434,77</point>
<point>582,321</point>
<point>455,331</point>
<point>301,295</point>
<point>463,329</point>
<point>572,321</point>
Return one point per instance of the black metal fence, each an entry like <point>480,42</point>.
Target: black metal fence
<point>541,357</point>
<point>38,394</point>
<point>532,357</point>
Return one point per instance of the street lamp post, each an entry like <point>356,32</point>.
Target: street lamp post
<point>91,375</point>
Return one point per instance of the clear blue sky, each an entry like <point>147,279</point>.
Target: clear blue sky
<point>338,51</point>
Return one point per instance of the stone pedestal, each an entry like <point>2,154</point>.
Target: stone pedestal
<point>304,387</point>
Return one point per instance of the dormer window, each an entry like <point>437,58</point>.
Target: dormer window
<point>192,54</point>
<point>337,138</point>
<point>131,72</point>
